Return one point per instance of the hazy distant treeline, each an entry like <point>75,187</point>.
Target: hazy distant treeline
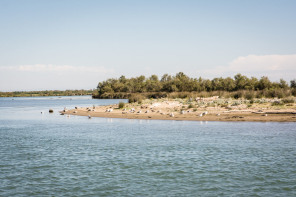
<point>124,87</point>
<point>46,93</point>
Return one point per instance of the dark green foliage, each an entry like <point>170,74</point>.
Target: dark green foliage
<point>272,93</point>
<point>121,105</point>
<point>190,106</point>
<point>238,94</point>
<point>157,95</point>
<point>293,83</point>
<point>264,83</point>
<point>293,92</point>
<point>283,84</point>
<point>241,82</point>
<point>182,86</point>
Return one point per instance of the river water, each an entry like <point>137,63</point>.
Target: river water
<point>44,154</point>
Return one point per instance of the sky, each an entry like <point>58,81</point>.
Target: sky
<point>74,44</point>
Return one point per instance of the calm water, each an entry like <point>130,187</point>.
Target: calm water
<point>53,155</point>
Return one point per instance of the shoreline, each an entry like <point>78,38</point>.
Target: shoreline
<point>226,118</point>
<point>164,109</point>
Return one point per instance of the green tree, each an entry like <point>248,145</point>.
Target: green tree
<point>264,83</point>
<point>241,81</point>
<point>283,84</point>
<point>293,83</point>
<point>228,84</point>
<point>153,84</point>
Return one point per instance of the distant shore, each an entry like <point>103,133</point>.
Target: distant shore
<point>200,109</point>
<point>46,93</point>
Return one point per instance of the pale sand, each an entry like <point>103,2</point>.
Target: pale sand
<point>172,110</point>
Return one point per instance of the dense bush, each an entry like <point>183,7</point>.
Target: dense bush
<point>293,92</point>
<point>182,86</point>
<point>238,94</point>
<point>250,95</point>
<point>182,83</point>
<point>135,98</point>
<point>190,106</point>
<point>121,105</point>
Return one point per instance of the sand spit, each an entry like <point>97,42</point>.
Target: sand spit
<point>206,109</point>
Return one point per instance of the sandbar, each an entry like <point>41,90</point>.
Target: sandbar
<point>200,109</point>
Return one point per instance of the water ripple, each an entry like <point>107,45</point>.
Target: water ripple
<point>78,157</point>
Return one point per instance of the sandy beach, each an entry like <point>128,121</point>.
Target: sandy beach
<point>200,109</point>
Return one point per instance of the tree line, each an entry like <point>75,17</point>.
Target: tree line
<point>46,93</point>
<point>115,88</point>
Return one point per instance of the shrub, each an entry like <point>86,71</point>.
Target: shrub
<point>224,105</point>
<point>259,94</point>
<point>293,91</point>
<point>190,106</point>
<point>121,105</point>
<point>157,95</point>
<point>174,95</point>
<point>272,93</point>
<point>135,98</point>
<point>238,94</point>
<point>288,100</point>
<point>276,103</point>
<point>249,95</point>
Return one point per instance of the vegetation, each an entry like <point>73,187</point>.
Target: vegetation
<point>47,93</point>
<point>190,106</point>
<point>182,86</point>
<point>121,105</point>
<point>288,100</point>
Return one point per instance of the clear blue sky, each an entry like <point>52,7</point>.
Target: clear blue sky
<point>70,44</point>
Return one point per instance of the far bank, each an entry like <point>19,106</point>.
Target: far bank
<point>197,109</point>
